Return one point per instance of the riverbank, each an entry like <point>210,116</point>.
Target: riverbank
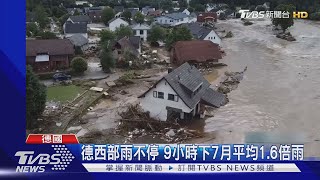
<point>278,92</point>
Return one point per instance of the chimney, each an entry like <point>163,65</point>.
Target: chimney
<point>170,70</point>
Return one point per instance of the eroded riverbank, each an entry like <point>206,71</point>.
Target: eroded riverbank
<point>280,90</point>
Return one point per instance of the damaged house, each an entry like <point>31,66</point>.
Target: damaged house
<point>132,44</point>
<point>49,55</point>
<point>183,94</point>
<point>195,52</point>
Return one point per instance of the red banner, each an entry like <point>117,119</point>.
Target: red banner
<point>52,139</point>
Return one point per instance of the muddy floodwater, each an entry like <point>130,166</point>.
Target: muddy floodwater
<point>279,98</point>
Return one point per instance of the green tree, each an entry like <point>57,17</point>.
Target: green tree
<point>32,29</point>
<point>107,15</point>
<point>41,16</point>
<point>106,59</point>
<point>166,5</point>
<point>123,31</point>
<point>127,15</point>
<point>157,33</point>
<point>284,23</point>
<point>139,17</point>
<point>63,19</point>
<point>106,35</point>
<point>58,11</point>
<point>149,20</point>
<point>35,98</point>
<point>178,34</point>
<point>183,4</point>
<point>261,8</point>
<point>106,38</point>
<point>47,35</point>
<point>132,5</point>
<point>315,16</point>
<point>79,65</point>
<point>191,9</point>
<point>199,8</point>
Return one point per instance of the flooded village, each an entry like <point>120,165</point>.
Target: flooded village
<point>220,80</point>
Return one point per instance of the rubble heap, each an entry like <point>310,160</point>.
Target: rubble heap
<point>231,82</point>
<point>136,123</point>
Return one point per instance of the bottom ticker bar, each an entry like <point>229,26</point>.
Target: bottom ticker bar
<point>190,168</point>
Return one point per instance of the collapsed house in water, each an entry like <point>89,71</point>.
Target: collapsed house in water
<point>182,93</point>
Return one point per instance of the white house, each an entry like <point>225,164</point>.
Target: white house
<point>182,93</point>
<point>81,2</point>
<point>202,33</point>
<point>141,30</point>
<point>116,23</point>
<point>213,37</point>
<point>172,19</point>
<point>118,15</point>
<point>186,11</point>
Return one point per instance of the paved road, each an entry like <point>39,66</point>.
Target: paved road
<point>94,72</point>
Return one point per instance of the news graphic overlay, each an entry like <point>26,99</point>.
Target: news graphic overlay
<point>33,161</point>
<point>47,153</point>
<point>190,158</point>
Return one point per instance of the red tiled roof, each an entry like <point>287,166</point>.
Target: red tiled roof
<point>154,13</point>
<point>50,46</point>
<point>196,50</point>
<point>206,15</point>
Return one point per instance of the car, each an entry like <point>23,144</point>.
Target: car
<point>61,77</point>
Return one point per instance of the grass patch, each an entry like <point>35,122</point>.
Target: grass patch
<point>63,93</point>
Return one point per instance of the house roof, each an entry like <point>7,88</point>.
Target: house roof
<point>140,27</point>
<point>72,10</point>
<point>147,9</point>
<point>196,50</point>
<point>50,46</point>
<point>177,15</point>
<point>80,18</point>
<point>118,9</point>
<point>132,43</point>
<point>198,31</point>
<point>95,14</point>
<point>115,18</point>
<point>202,16</point>
<point>75,28</point>
<point>133,11</point>
<point>78,40</point>
<point>192,87</point>
<point>154,13</point>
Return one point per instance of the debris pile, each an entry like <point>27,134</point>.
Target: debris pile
<point>247,23</point>
<point>51,108</point>
<point>231,82</point>
<point>135,123</point>
<point>286,36</point>
<point>229,35</point>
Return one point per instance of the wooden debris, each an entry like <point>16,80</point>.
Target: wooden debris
<point>97,89</point>
<point>110,83</point>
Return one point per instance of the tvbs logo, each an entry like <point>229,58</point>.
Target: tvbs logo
<point>29,162</point>
<point>253,14</point>
<point>300,15</point>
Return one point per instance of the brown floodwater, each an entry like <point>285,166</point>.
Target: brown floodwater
<point>278,101</point>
